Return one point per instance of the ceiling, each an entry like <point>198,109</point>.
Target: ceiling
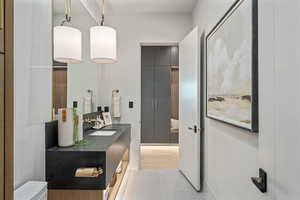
<point>116,7</point>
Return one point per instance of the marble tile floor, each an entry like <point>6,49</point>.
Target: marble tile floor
<point>162,184</point>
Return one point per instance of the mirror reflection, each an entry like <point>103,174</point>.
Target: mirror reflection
<point>74,80</point>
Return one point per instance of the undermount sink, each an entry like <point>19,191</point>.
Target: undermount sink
<point>103,133</point>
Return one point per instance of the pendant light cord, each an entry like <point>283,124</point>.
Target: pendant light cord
<point>68,17</point>
<point>103,13</point>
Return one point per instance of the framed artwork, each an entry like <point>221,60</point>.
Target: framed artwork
<point>232,67</point>
<point>107,118</point>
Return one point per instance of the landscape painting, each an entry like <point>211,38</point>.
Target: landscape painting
<point>232,68</point>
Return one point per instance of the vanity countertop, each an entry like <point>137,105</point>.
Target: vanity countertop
<point>96,143</point>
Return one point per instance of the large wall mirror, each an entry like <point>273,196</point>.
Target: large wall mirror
<point>75,82</point>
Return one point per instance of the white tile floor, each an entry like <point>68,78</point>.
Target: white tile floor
<point>148,184</point>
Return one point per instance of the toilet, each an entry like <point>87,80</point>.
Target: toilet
<point>31,190</point>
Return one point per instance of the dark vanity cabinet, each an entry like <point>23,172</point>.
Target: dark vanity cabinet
<point>61,168</point>
<point>103,153</point>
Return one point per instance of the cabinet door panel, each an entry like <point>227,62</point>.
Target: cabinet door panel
<point>174,56</point>
<point>147,118</point>
<point>163,56</point>
<point>162,104</point>
<point>148,56</point>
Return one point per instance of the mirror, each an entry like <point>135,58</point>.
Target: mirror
<point>75,82</point>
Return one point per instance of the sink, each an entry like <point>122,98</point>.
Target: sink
<point>103,133</point>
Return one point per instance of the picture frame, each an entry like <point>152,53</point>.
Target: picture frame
<point>232,78</point>
<point>107,118</point>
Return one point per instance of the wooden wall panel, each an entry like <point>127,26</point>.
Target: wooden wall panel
<point>59,88</point>
<point>2,26</point>
<point>174,93</point>
<point>1,100</point>
<point>9,97</point>
<point>1,126</point>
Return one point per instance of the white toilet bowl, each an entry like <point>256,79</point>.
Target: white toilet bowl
<point>31,191</point>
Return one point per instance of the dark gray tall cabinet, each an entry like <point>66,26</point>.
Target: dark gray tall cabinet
<point>156,94</point>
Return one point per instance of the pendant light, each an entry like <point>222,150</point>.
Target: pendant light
<point>67,40</point>
<point>103,41</point>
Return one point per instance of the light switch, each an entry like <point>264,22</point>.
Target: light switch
<point>130,104</point>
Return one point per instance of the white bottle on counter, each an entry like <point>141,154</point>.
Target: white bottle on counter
<point>65,127</point>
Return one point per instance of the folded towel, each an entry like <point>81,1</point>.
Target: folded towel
<point>174,124</point>
<point>116,104</point>
<point>87,105</point>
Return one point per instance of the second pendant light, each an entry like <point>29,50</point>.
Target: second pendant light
<point>103,42</point>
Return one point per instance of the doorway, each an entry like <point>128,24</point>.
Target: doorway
<point>159,107</point>
<point>160,94</point>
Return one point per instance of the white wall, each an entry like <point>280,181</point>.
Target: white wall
<point>82,76</point>
<point>125,75</point>
<point>287,92</point>
<point>231,155</point>
<point>32,90</point>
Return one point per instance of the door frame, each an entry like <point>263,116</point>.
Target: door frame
<point>202,103</point>
<point>8,99</point>
<point>145,44</point>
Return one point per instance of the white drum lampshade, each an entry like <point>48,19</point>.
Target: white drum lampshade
<point>103,44</point>
<point>67,44</point>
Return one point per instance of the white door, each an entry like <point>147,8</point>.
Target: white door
<point>189,108</point>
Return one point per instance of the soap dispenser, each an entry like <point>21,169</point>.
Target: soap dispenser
<point>75,122</point>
